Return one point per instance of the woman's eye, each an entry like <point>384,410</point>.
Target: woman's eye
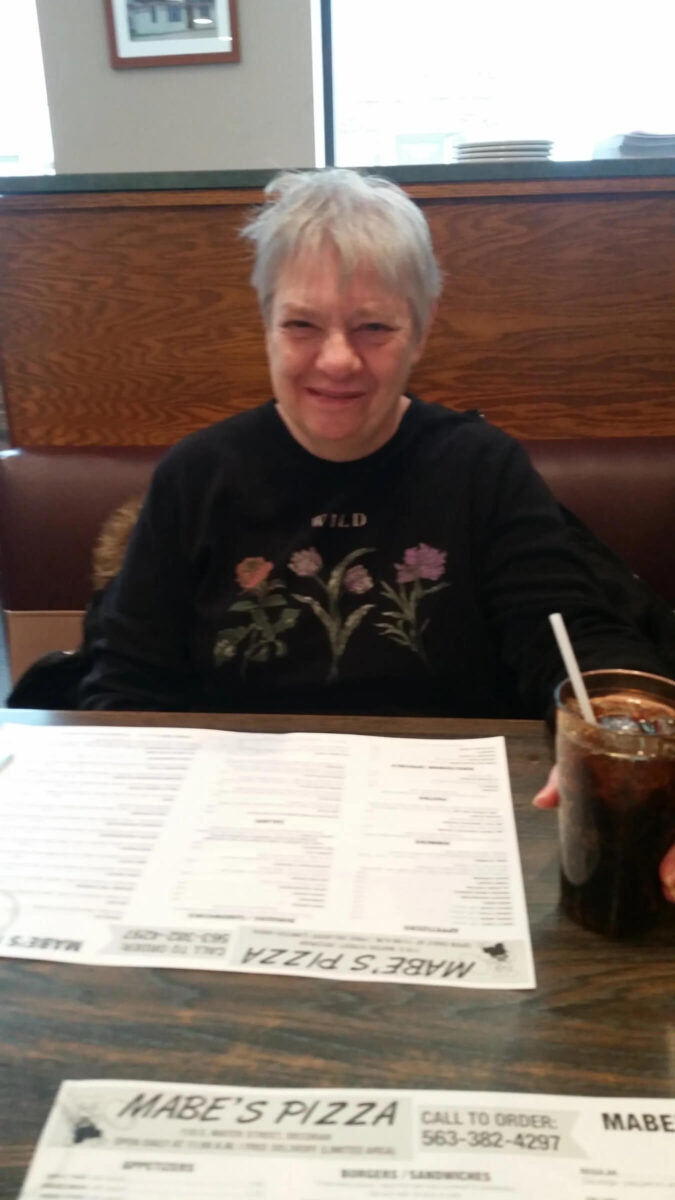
<point>374,327</point>
<point>296,323</point>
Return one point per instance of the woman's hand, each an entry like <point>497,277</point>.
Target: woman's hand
<point>548,797</point>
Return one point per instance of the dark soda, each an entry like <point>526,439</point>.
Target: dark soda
<point>617,811</point>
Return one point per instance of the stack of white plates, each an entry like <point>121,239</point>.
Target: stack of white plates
<point>503,151</point>
<point>638,144</point>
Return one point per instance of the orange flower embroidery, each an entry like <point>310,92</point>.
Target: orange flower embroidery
<point>251,572</point>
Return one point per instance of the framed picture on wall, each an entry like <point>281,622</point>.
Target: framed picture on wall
<point>169,33</point>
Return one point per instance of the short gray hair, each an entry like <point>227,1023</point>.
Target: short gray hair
<point>367,219</point>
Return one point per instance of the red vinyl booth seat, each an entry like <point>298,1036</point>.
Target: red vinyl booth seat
<point>54,501</point>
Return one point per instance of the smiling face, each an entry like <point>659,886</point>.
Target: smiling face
<point>339,353</point>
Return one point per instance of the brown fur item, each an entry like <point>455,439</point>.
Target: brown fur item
<point>111,543</point>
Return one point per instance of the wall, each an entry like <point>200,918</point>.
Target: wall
<point>256,113</point>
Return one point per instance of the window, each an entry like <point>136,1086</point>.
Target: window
<point>412,78</point>
<point>25,132</point>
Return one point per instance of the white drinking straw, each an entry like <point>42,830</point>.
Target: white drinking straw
<point>570,661</point>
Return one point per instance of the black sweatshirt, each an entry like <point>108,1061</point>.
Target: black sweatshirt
<point>416,580</point>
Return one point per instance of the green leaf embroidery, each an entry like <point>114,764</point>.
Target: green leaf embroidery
<point>287,619</point>
<point>403,602</point>
<point>395,634</point>
<point>318,610</point>
<point>263,623</point>
<point>352,622</point>
<point>389,591</point>
<point>228,641</point>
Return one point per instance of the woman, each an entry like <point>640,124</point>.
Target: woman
<point>346,547</point>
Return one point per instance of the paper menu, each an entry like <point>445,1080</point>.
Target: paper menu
<point>314,854</point>
<point>133,1140</point>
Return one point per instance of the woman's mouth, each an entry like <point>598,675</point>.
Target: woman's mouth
<point>332,396</point>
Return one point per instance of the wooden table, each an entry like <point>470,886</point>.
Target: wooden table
<point>601,1021</point>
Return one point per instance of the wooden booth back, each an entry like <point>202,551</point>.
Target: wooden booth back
<point>126,318</point>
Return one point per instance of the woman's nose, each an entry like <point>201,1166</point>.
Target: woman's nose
<point>336,354</point>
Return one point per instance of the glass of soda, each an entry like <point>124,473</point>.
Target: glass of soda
<point>617,799</point>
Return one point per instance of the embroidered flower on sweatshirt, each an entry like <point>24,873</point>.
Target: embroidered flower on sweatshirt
<point>339,625</point>
<point>306,562</point>
<point>268,616</point>
<point>357,580</point>
<point>420,563</point>
<point>250,572</point>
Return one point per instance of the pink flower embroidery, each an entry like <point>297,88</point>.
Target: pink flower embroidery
<point>420,562</point>
<point>306,562</point>
<point>402,625</point>
<point>251,572</point>
<point>357,580</point>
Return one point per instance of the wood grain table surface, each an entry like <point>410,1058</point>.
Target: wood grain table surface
<point>600,1022</point>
